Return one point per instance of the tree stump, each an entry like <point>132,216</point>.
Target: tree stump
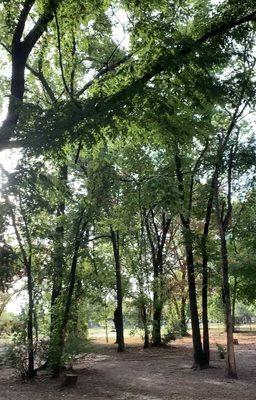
<point>70,380</point>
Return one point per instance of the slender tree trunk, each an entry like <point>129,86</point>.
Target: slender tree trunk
<point>231,362</point>
<point>61,327</point>
<point>157,304</point>
<point>31,369</point>
<point>145,325</point>
<point>206,344</point>
<point>106,320</point>
<point>118,314</point>
<point>106,330</point>
<point>177,309</point>
<point>157,314</point>
<point>58,259</point>
<point>213,186</point>
<point>222,225</point>
<point>234,304</point>
<point>199,357</point>
<point>157,249</point>
<point>36,327</point>
<point>61,332</point>
<point>56,356</point>
<point>183,321</point>
<point>58,264</point>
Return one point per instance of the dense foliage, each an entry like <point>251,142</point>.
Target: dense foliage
<point>133,199</point>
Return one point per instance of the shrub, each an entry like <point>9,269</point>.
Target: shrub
<point>74,348</point>
<point>221,351</point>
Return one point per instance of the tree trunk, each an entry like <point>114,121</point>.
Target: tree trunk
<point>118,315</point>
<point>58,264</point>
<point>118,321</point>
<point>58,259</point>
<point>157,315</point>
<point>59,334</point>
<point>61,327</point>
<point>157,249</point>
<point>234,304</point>
<point>222,225</point>
<point>31,369</point>
<point>183,322</point>
<point>199,357</point>
<point>22,46</point>
<point>106,321</point>
<point>19,58</point>
<point>206,344</point>
<point>157,307</point>
<point>145,325</point>
<point>231,362</point>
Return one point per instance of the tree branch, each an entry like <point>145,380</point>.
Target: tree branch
<point>28,4</point>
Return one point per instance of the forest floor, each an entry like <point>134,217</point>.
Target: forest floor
<point>154,374</point>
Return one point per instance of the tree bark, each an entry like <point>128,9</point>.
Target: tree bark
<point>231,362</point>
<point>106,320</point>
<point>118,314</point>
<point>61,327</point>
<point>20,51</point>
<point>183,322</point>
<point>222,225</point>
<point>157,240</point>
<point>58,264</point>
<point>199,357</point>
<point>58,259</point>
<point>31,368</point>
<point>234,304</point>
<point>145,325</point>
<point>206,344</point>
<point>157,314</point>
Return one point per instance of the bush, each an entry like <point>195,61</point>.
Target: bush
<point>16,357</point>
<point>221,351</point>
<point>75,347</point>
<point>169,337</point>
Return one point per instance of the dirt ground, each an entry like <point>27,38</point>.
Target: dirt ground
<point>154,374</point>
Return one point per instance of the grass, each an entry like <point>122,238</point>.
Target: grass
<point>136,336</point>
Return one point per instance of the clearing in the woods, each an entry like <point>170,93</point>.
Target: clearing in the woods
<point>155,374</point>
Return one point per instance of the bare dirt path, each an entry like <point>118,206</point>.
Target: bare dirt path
<point>155,374</point>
